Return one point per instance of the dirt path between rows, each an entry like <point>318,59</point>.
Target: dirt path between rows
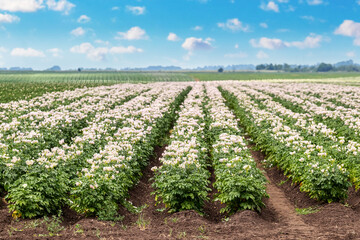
<point>282,208</point>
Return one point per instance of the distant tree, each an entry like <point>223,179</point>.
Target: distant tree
<point>220,70</point>
<point>286,67</point>
<point>324,67</point>
<point>278,67</point>
<point>79,69</point>
<point>260,67</point>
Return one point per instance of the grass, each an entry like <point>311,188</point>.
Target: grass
<point>283,182</point>
<point>25,85</point>
<point>142,223</point>
<point>92,77</point>
<point>211,76</point>
<point>306,211</point>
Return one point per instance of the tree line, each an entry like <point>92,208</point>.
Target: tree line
<point>322,67</point>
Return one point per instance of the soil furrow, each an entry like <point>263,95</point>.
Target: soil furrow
<point>141,197</point>
<point>212,208</point>
<point>282,208</point>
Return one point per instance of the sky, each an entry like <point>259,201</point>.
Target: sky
<point>185,33</point>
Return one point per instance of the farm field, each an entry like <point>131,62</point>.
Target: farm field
<point>277,76</point>
<point>25,85</point>
<point>181,160</point>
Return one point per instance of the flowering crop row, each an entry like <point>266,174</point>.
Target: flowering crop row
<point>182,180</point>
<point>105,179</point>
<point>39,185</point>
<point>23,140</point>
<point>49,176</point>
<point>339,145</point>
<point>51,101</point>
<point>206,127</point>
<point>240,183</point>
<point>308,163</point>
<point>344,117</point>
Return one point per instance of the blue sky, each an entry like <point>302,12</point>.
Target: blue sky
<point>186,33</point>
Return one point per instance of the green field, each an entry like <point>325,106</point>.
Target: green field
<point>93,77</point>
<point>210,76</point>
<point>25,85</point>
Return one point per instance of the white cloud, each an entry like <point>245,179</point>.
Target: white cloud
<point>122,50</point>
<point>234,25</point>
<point>192,44</point>
<point>351,54</point>
<point>21,5</point>
<point>173,37</point>
<point>262,55</point>
<point>99,41</point>
<point>309,18</point>
<point>188,56</point>
<point>115,8</point>
<point>270,6</point>
<point>35,5</point>
<point>357,42</point>
<point>236,46</point>
<point>29,52</point>
<point>268,43</point>
<point>134,33</point>
<point>77,32</point>
<point>311,41</point>
<point>3,50</point>
<point>136,10</point>
<point>8,18</point>
<point>99,54</point>
<point>55,52</point>
<point>83,19</point>
<point>349,28</point>
<point>197,28</point>
<point>82,48</point>
<point>263,25</point>
<point>60,6</point>
<point>236,55</point>
<point>315,2</point>
<point>92,53</point>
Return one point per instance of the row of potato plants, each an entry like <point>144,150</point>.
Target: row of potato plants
<point>206,134</point>
<point>344,149</point>
<point>50,101</point>
<point>39,185</point>
<point>181,182</point>
<point>47,180</point>
<point>345,118</point>
<point>23,140</point>
<point>105,179</point>
<point>307,163</point>
<point>241,185</point>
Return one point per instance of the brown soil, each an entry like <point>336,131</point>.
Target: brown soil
<point>212,208</point>
<point>277,221</point>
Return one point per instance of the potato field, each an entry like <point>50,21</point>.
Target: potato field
<point>182,160</point>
